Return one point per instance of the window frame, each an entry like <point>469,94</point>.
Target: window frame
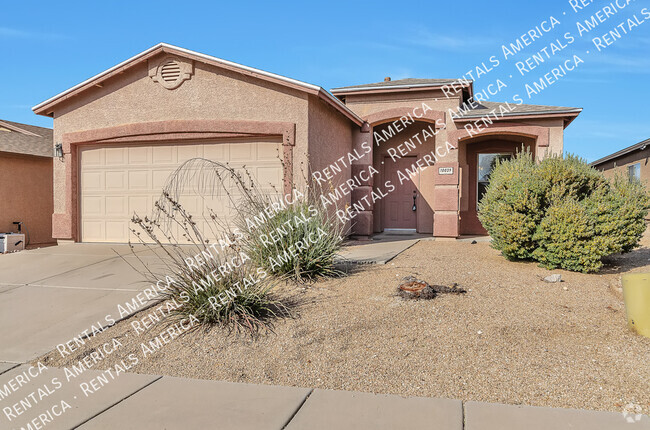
<point>478,166</point>
<point>637,172</point>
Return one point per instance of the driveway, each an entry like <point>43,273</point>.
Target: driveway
<point>49,295</point>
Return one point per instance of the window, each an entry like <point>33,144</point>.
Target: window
<point>634,172</point>
<point>486,163</point>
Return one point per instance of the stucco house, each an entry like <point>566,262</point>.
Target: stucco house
<point>630,162</point>
<point>26,181</point>
<point>124,130</point>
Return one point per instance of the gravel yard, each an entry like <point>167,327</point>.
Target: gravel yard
<point>511,339</point>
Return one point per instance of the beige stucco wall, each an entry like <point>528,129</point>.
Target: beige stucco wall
<point>330,137</point>
<point>367,104</point>
<point>211,93</point>
<point>619,165</point>
<point>26,195</point>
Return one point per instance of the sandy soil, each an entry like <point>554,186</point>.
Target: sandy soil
<point>511,339</point>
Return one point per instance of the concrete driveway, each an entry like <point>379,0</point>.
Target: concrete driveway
<point>49,295</point>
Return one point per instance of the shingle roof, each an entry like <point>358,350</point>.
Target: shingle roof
<point>624,151</point>
<point>25,139</point>
<point>402,83</point>
<point>523,109</point>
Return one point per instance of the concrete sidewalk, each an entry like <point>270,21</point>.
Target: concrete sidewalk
<point>99,400</point>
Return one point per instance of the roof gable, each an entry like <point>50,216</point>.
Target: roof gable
<point>48,106</point>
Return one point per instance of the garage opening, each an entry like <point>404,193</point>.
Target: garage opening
<point>117,181</point>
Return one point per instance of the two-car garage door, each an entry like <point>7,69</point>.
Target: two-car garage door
<point>118,181</point>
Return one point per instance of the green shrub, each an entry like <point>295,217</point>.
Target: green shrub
<point>561,212</point>
<point>300,241</point>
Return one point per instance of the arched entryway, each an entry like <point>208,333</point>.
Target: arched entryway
<point>480,154</point>
<point>408,201</point>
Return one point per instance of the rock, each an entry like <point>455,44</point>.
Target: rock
<point>553,278</point>
<point>474,242</point>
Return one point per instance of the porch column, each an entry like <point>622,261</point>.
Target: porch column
<point>446,200</point>
<point>362,224</point>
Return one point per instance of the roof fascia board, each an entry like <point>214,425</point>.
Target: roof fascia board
<point>620,153</point>
<point>554,114</point>
<point>393,88</point>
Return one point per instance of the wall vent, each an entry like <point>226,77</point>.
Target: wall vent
<point>171,72</point>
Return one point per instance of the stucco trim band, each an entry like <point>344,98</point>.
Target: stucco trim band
<point>539,133</point>
<point>388,115</point>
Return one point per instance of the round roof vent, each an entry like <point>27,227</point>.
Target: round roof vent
<point>170,71</point>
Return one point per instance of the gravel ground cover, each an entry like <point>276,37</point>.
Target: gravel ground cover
<point>513,338</point>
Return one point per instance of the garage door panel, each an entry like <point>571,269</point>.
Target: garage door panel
<point>139,179</point>
<point>115,156</point>
<point>216,152</point>
<point>267,152</point>
<point>117,182</point>
<point>93,205</point>
<point>187,152</point>
<point>139,155</point>
<point>116,206</point>
<point>140,204</point>
<point>163,154</point>
<point>93,230</point>
<point>93,180</point>
<point>242,152</point>
<point>115,230</point>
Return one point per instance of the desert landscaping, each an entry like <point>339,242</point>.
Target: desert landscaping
<point>512,338</point>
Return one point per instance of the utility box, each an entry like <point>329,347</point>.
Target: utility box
<point>10,242</point>
<point>636,293</point>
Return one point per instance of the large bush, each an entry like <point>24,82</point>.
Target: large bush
<point>561,212</point>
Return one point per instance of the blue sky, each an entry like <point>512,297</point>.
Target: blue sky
<point>48,47</point>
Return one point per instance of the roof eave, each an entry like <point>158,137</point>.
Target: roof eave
<point>621,153</point>
<point>570,115</point>
<point>393,88</point>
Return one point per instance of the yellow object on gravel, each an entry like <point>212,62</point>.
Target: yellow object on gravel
<point>636,293</point>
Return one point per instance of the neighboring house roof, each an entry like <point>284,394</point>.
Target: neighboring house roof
<point>519,110</point>
<point>398,84</point>
<point>25,139</point>
<point>46,107</point>
<point>625,151</point>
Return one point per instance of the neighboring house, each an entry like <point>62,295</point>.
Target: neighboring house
<point>631,162</point>
<point>26,180</point>
<point>124,130</point>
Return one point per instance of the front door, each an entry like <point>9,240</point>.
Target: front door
<point>398,205</point>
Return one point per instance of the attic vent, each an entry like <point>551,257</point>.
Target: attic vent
<point>170,71</point>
